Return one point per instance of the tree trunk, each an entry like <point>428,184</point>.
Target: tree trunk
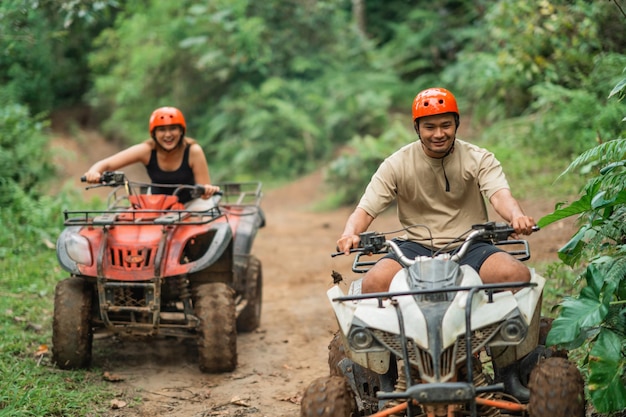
<point>358,13</point>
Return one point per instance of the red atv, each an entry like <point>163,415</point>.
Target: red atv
<point>149,266</point>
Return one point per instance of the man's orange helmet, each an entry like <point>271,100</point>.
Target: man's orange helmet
<point>434,101</point>
<point>165,116</point>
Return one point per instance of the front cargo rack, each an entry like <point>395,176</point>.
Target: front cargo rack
<point>139,217</point>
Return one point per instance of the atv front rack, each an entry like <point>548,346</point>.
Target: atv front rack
<point>139,217</point>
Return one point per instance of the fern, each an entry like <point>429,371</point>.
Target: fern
<point>611,151</point>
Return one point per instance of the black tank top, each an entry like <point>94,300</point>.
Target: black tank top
<point>183,175</point>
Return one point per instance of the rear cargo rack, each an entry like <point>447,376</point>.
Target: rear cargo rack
<point>241,193</point>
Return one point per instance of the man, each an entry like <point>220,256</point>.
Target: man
<point>441,182</point>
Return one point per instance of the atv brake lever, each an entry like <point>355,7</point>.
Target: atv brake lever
<point>342,253</point>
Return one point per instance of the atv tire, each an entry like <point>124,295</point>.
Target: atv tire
<point>328,396</point>
<point>72,335</point>
<point>250,317</point>
<point>336,353</point>
<point>214,306</point>
<point>556,389</point>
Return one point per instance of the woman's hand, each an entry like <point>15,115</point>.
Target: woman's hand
<point>209,190</point>
<point>93,177</point>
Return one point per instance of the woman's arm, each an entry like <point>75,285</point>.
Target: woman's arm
<point>200,168</point>
<point>136,153</point>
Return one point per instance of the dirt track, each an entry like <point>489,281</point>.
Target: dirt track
<point>277,362</point>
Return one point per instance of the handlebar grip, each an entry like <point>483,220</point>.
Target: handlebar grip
<point>199,191</point>
<point>83,179</point>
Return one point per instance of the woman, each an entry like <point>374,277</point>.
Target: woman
<point>169,157</point>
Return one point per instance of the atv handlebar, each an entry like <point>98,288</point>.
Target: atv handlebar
<point>118,178</point>
<point>373,243</point>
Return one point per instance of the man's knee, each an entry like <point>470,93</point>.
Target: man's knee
<point>380,276</point>
<point>502,267</point>
<point>522,273</point>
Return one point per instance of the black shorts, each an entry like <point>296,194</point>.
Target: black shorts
<point>475,257</point>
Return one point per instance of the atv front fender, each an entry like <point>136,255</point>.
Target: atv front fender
<point>221,240</point>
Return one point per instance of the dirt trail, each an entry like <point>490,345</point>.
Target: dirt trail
<point>289,350</point>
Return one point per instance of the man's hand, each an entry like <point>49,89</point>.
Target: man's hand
<point>347,242</point>
<point>523,224</point>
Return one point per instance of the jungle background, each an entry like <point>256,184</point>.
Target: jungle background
<point>313,93</point>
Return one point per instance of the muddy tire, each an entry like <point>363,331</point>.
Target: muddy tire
<point>336,353</point>
<point>328,396</point>
<point>214,305</point>
<point>72,334</point>
<point>250,317</point>
<point>556,389</point>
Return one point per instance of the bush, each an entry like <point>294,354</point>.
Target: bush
<point>24,163</point>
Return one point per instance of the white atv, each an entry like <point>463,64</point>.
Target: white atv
<point>441,343</point>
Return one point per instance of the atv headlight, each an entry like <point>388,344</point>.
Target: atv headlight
<point>360,338</point>
<point>78,249</point>
<point>513,330</point>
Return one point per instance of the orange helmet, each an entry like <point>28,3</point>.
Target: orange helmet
<point>434,101</point>
<point>164,116</point>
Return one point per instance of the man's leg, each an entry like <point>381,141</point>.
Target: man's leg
<point>379,277</point>
<point>502,267</point>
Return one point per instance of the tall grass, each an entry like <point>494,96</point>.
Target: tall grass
<point>30,385</point>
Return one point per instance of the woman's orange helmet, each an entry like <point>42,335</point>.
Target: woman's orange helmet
<point>165,116</point>
<point>434,101</point>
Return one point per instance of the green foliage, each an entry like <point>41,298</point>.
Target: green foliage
<point>26,47</point>
<point>30,385</point>
<point>294,125</point>
<point>350,172</point>
<point>530,43</point>
<point>24,163</point>
<point>598,314</point>
<point>139,65</point>
<point>420,49</point>
<point>43,45</point>
<point>570,121</point>
<point>281,82</point>
<point>597,317</point>
<point>606,386</point>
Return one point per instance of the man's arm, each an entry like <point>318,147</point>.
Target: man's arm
<point>358,222</point>
<point>509,209</point>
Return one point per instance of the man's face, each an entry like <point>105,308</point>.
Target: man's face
<point>437,133</point>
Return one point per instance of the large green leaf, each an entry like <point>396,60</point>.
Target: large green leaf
<point>577,207</point>
<point>570,253</point>
<point>577,321</point>
<point>606,367</point>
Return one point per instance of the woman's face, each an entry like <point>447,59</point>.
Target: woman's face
<point>168,136</point>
